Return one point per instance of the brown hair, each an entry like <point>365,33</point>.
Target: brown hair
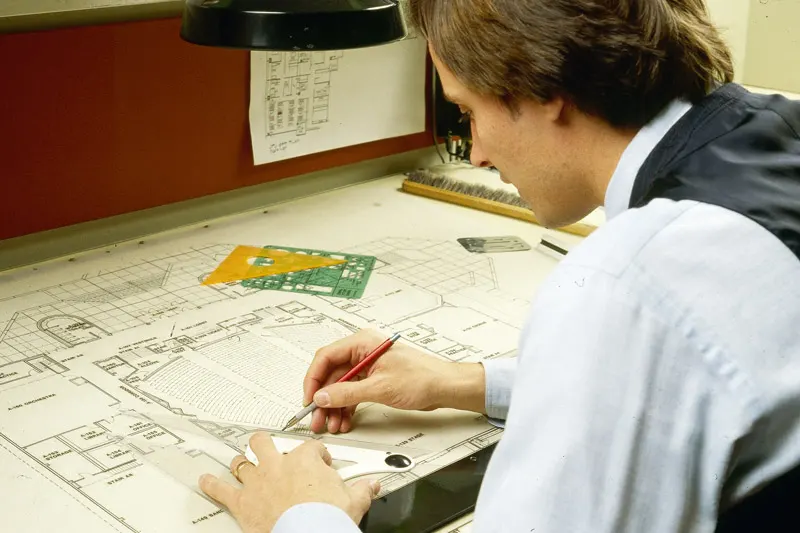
<point>621,60</point>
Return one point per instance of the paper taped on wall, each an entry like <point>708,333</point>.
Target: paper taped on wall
<point>307,102</point>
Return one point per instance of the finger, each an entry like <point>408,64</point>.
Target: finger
<point>263,446</point>
<point>361,495</point>
<point>349,394</point>
<point>220,491</point>
<point>318,418</point>
<point>342,352</point>
<point>347,419</point>
<point>334,420</point>
<point>242,469</point>
<point>325,361</point>
<point>314,448</point>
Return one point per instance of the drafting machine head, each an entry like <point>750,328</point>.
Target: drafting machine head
<point>291,25</point>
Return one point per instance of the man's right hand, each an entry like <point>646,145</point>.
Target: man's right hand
<point>403,378</point>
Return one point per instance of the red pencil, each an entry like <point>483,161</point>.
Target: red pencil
<point>368,360</point>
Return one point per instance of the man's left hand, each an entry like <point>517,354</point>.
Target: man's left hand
<point>280,482</point>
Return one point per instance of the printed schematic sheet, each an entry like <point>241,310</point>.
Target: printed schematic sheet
<point>89,345</point>
<point>147,337</point>
<point>307,102</point>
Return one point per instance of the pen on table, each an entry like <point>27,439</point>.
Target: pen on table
<point>556,248</point>
<point>369,359</point>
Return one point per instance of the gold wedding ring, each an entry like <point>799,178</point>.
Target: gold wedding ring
<point>239,467</point>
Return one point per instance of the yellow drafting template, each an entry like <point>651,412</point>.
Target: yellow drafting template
<point>238,265</point>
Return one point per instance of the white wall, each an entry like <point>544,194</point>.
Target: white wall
<point>732,18</point>
<point>773,45</point>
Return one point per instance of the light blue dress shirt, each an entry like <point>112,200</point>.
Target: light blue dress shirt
<point>661,355</point>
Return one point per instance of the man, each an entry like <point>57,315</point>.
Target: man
<point>657,383</point>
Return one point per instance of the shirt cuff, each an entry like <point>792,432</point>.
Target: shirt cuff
<point>499,382</point>
<point>306,517</point>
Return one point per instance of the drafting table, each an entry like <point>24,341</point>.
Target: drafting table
<point>130,327</point>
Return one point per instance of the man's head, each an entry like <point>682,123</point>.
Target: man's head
<point>555,89</point>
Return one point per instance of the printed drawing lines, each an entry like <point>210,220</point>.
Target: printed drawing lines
<point>417,282</point>
<point>440,297</point>
<point>144,335</point>
<point>12,448</point>
<point>298,91</point>
<point>253,362</point>
<point>442,267</point>
<point>68,428</point>
<point>109,301</point>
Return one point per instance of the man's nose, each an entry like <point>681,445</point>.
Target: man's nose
<point>477,157</point>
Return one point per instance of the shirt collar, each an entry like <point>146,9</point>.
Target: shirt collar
<point>618,193</point>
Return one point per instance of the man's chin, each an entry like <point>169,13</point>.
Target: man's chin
<point>556,221</point>
<point>547,218</point>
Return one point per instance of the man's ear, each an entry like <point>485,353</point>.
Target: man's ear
<point>555,110</point>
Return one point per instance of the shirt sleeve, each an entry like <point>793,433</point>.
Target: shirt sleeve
<point>617,424</point>
<point>306,517</point>
<point>499,382</point>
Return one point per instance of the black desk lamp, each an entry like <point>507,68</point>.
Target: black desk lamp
<point>289,25</point>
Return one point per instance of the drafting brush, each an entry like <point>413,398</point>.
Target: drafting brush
<point>478,196</point>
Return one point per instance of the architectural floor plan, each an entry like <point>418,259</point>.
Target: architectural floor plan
<point>83,363</point>
<point>298,90</point>
<point>438,278</point>
<point>303,102</point>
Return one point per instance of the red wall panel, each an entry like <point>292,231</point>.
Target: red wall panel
<point>103,120</point>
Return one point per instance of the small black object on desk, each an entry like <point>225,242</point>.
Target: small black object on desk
<point>430,502</point>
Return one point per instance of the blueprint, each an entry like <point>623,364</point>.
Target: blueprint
<point>80,358</point>
<point>312,101</point>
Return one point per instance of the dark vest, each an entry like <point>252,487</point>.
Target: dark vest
<point>736,150</point>
<point>740,151</point>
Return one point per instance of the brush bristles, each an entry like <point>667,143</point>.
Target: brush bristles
<point>426,177</point>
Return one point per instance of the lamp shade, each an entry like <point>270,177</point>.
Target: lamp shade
<point>289,25</point>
